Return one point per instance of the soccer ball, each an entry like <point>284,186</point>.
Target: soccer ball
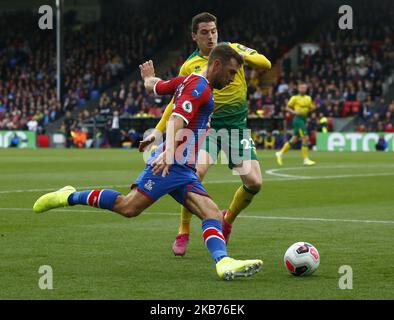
<point>301,259</point>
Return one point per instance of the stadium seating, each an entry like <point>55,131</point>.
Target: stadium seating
<point>345,77</point>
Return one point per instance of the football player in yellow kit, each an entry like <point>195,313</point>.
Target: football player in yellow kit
<point>299,105</point>
<point>230,113</point>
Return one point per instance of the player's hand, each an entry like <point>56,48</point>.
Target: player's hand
<point>162,164</point>
<point>149,139</point>
<point>146,142</point>
<point>147,70</point>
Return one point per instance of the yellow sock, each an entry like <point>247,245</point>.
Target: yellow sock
<point>186,216</point>
<point>242,198</point>
<point>305,150</point>
<point>286,147</point>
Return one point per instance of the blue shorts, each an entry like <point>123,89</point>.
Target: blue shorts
<point>178,183</point>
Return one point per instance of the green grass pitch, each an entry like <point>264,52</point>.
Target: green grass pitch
<point>344,206</point>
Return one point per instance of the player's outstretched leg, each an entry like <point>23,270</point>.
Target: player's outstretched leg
<point>227,268</point>
<point>305,152</point>
<point>250,174</point>
<point>226,226</point>
<point>52,200</point>
<point>68,196</point>
<point>279,155</point>
<point>180,244</point>
<point>129,206</point>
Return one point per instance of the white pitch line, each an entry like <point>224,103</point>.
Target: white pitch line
<point>274,172</point>
<point>339,176</point>
<point>342,176</point>
<point>120,186</point>
<point>58,187</point>
<point>241,216</point>
<point>318,219</point>
<point>271,172</point>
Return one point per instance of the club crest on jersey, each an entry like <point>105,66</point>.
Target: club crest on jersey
<point>187,106</point>
<point>149,185</point>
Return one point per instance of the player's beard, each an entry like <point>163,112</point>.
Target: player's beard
<point>219,85</point>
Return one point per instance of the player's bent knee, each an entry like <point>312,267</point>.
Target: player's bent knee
<point>254,181</point>
<point>254,185</point>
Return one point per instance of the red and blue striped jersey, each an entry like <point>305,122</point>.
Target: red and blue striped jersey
<point>193,102</point>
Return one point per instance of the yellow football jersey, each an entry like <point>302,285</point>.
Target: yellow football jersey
<point>301,103</point>
<point>231,99</point>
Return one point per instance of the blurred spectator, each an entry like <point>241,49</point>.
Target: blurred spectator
<point>389,128</point>
<point>79,137</point>
<point>323,123</point>
<point>32,125</point>
<point>114,132</point>
<point>14,141</point>
<point>381,145</point>
<point>269,141</point>
<point>69,123</point>
<point>258,138</point>
<point>361,128</point>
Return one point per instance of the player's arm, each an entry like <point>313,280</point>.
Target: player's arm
<point>163,162</point>
<point>157,85</point>
<point>147,71</point>
<point>148,75</point>
<point>161,126</point>
<point>184,111</point>
<point>257,61</point>
<point>252,58</point>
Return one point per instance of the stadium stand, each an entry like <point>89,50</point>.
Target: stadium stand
<point>97,56</point>
<point>345,76</point>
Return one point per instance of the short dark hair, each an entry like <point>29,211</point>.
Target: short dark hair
<point>224,53</point>
<point>202,17</point>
